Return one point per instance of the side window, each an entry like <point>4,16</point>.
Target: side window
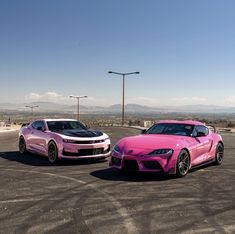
<point>38,124</point>
<point>204,131</point>
<point>34,125</point>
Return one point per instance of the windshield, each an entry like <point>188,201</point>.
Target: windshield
<point>56,126</point>
<point>171,129</point>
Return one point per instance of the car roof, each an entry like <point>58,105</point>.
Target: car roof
<point>191,122</point>
<point>55,120</point>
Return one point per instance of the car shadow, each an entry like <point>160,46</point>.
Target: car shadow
<point>113,174</point>
<point>37,160</point>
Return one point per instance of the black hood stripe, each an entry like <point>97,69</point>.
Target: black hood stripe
<point>81,133</point>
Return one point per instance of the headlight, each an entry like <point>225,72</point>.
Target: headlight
<point>106,139</point>
<point>160,152</point>
<point>116,149</point>
<point>69,141</point>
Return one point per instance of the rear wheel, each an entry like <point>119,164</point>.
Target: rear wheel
<point>183,163</point>
<point>52,152</point>
<point>219,154</point>
<point>22,145</point>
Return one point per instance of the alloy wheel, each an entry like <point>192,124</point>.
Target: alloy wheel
<point>219,154</point>
<point>52,152</point>
<point>183,163</point>
<point>22,145</point>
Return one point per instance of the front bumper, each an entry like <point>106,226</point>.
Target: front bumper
<point>74,151</point>
<point>144,163</point>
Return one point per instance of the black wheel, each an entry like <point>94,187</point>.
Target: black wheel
<point>52,152</point>
<point>219,155</point>
<point>183,163</point>
<point>22,145</point>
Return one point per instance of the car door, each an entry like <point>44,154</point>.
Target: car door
<point>38,137</point>
<point>204,143</point>
<point>30,136</point>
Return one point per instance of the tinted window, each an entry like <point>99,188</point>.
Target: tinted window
<point>55,126</point>
<point>38,124</point>
<point>171,129</point>
<point>201,129</point>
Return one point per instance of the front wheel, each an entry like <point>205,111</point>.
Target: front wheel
<point>219,154</point>
<point>52,152</point>
<point>183,163</point>
<point>22,145</point>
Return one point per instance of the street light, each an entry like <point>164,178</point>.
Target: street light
<point>123,89</point>
<point>32,107</point>
<point>78,98</point>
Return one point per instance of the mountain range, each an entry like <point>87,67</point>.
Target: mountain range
<point>131,108</point>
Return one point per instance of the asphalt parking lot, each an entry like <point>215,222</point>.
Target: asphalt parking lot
<point>89,197</point>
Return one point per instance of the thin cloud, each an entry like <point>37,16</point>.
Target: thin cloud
<point>33,96</point>
<point>190,99</point>
<point>48,96</point>
<point>230,100</point>
<point>52,96</point>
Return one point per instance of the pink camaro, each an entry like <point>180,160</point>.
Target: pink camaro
<point>63,138</point>
<point>169,146</point>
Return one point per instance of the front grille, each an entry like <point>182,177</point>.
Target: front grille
<point>116,161</point>
<point>88,142</point>
<point>154,165</point>
<point>131,165</point>
<point>85,152</point>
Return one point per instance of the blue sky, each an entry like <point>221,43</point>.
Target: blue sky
<point>184,50</point>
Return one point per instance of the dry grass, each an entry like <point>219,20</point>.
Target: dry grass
<point>9,128</point>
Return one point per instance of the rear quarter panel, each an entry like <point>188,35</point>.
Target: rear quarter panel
<point>216,139</point>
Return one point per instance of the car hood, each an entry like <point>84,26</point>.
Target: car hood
<point>153,141</point>
<point>80,133</point>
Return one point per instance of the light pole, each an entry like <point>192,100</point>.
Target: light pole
<point>78,99</point>
<point>123,89</point>
<point>32,108</point>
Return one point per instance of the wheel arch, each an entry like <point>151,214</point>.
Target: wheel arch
<point>221,142</point>
<point>21,136</point>
<point>52,140</point>
<point>186,149</point>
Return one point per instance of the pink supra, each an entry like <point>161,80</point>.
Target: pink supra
<point>169,146</point>
<point>63,138</point>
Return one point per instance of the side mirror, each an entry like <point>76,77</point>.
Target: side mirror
<point>143,131</point>
<point>40,129</point>
<point>200,134</point>
<point>87,126</point>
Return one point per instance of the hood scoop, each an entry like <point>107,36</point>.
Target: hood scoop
<point>81,133</point>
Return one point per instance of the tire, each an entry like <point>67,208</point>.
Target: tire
<point>219,155</point>
<point>52,152</point>
<point>183,164</point>
<point>22,145</point>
